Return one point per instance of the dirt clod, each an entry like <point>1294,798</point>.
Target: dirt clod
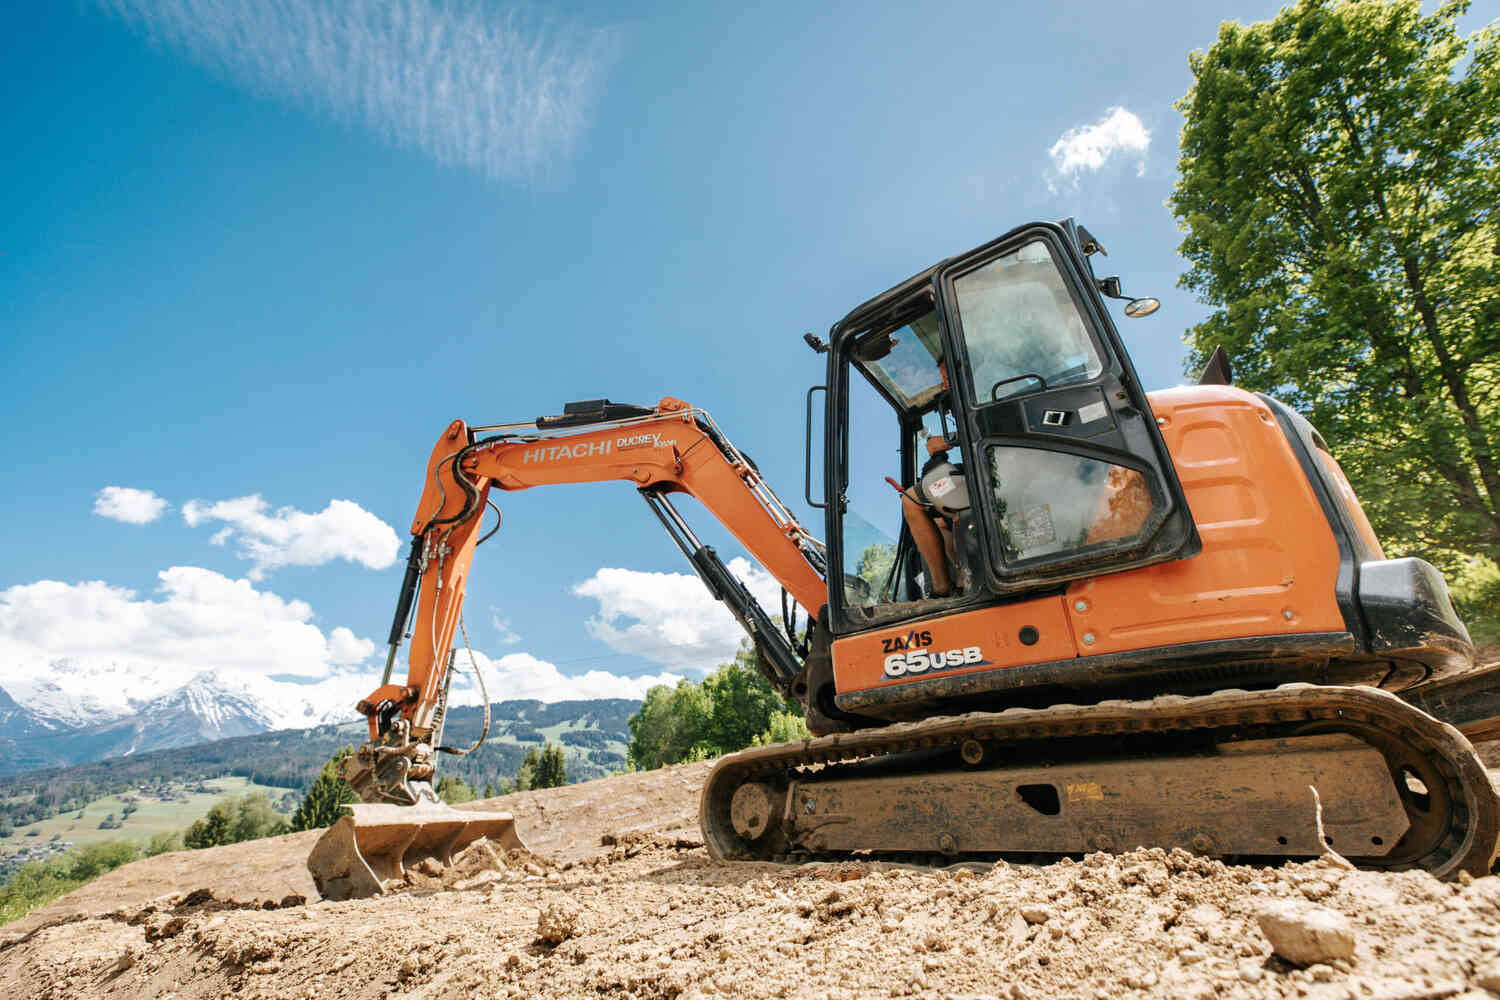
<point>163,926</point>
<point>1035,914</point>
<point>1306,935</point>
<point>558,921</point>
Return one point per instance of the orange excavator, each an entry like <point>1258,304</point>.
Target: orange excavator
<point>1112,619</point>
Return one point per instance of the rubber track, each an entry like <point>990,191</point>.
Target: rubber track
<point>1473,823</point>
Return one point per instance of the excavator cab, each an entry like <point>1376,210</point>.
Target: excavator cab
<point>1066,473</point>
<point>1112,545</point>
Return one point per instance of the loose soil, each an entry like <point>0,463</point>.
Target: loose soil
<point>617,898</point>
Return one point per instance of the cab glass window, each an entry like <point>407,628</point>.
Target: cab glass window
<point>871,522</point>
<point>904,360</point>
<point>1022,329</point>
<point>1049,502</point>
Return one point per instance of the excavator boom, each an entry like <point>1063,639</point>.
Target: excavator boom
<point>670,448</point>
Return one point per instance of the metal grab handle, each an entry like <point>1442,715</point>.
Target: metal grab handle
<point>1016,378</point>
<point>807,454</point>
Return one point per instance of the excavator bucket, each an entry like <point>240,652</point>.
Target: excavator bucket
<point>373,846</point>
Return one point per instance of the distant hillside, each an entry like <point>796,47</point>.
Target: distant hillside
<point>594,734</point>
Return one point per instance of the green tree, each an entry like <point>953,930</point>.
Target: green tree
<point>728,711</point>
<point>668,725</point>
<point>875,564</point>
<point>40,882</point>
<point>210,831</point>
<point>254,817</point>
<point>453,789</point>
<point>743,703</point>
<point>248,817</point>
<point>1476,596</point>
<point>551,768</point>
<point>162,843</point>
<point>1338,182</point>
<point>784,727</point>
<point>527,772</point>
<point>326,796</point>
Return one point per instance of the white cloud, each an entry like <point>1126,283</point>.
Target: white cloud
<point>507,636</point>
<point>1119,134</point>
<point>501,90</point>
<point>201,620</point>
<point>521,675</point>
<point>123,503</point>
<point>290,537</point>
<point>91,652</point>
<point>670,618</point>
<point>344,647</point>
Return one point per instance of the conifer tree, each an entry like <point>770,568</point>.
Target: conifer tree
<point>453,789</point>
<point>551,769</point>
<point>325,797</point>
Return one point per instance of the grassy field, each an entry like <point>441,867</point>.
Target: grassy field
<point>153,815</point>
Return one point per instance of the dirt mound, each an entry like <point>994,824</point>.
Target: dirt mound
<point>620,900</point>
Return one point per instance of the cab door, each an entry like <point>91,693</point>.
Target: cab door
<point>1066,466</point>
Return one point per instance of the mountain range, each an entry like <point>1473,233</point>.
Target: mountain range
<point>593,734</point>
<point>71,711</point>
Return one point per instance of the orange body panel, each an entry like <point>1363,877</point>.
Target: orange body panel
<point>1268,566</point>
<point>1351,503</point>
<point>1269,563</point>
<point>883,657</point>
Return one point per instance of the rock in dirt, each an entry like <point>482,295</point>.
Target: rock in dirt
<point>1035,914</point>
<point>1488,976</point>
<point>558,921</point>
<point>1306,935</point>
<point>164,926</point>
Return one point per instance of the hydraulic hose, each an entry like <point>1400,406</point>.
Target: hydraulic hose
<point>483,695</point>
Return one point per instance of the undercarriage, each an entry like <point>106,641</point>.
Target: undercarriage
<point>1230,774</point>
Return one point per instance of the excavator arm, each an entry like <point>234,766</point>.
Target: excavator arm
<point>670,448</point>
<point>662,450</point>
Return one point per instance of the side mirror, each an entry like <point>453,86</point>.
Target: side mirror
<point>1134,308</point>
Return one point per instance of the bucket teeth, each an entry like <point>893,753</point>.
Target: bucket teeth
<point>375,844</point>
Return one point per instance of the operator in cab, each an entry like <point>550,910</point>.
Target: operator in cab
<point>938,496</point>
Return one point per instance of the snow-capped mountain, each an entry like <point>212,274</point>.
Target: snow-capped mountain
<point>206,708</point>
<point>69,710</point>
<point>18,722</point>
<point>71,693</point>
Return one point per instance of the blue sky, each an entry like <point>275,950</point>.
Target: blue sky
<point>249,254</point>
